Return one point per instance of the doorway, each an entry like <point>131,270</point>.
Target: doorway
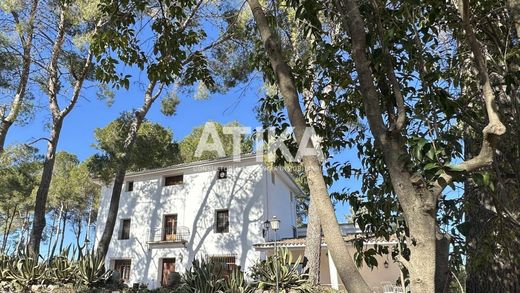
<point>168,267</point>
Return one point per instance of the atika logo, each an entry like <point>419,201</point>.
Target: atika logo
<point>266,146</point>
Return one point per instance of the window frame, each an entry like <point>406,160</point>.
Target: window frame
<point>122,229</point>
<point>217,228</point>
<point>129,186</point>
<point>175,228</point>
<point>228,262</point>
<point>175,182</point>
<point>123,262</point>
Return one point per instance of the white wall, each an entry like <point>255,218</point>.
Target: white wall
<point>195,203</point>
<point>280,205</point>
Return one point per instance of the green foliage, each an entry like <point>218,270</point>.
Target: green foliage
<point>22,272</point>
<point>169,104</point>
<point>26,271</point>
<point>204,277</point>
<point>289,278</point>
<point>236,283</point>
<point>173,51</point>
<point>153,148</point>
<point>91,271</point>
<point>61,269</point>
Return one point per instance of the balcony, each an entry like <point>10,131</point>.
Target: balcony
<point>161,238</point>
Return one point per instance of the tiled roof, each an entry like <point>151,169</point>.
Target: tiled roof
<point>300,242</point>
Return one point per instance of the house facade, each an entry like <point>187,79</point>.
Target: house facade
<point>214,210</point>
<point>211,209</point>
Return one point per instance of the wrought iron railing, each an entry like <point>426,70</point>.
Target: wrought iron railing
<point>179,234</point>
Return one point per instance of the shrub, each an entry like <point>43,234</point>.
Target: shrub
<point>91,271</point>
<point>236,283</point>
<point>281,264</point>
<point>202,277</point>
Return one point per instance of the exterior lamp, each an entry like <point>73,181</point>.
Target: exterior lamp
<point>386,264</point>
<point>275,224</point>
<point>267,225</point>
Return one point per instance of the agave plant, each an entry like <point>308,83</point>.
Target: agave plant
<point>289,278</point>
<point>5,267</point>
<point>91,271</point>
<point>61,269</point>
<point>26,271</point>
<point>203,277</point>
<point>236,283</point>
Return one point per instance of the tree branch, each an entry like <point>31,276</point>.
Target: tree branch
<point>494,128</point>
<point>397,125</point>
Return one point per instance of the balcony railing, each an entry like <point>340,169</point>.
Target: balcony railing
<point>160,236</point>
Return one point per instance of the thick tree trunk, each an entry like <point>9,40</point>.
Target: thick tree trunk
<point>312,251</point>
<point>313,244</point>
<point>58,117</point>
<point>108,231</point>
<point>4,128</point>
<point>442,271</point>
<point>347,269</point>
<point>492,245</point>
<point>40,207</point>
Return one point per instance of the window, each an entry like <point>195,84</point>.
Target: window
<point>226,261</point>
<point>170,228</point>
<point>222,221</point>
<point>273,177</point>
<point>173,180</point>
<point>122,266</point>
<point>130,186</point>
<point>125,229</point>
<point>222,173</point>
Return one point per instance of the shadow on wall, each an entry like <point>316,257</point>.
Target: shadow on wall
<point>244,196</point>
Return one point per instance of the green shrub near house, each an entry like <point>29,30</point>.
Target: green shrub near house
<point>63,274</point>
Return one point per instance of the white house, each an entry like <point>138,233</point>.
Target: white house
<point>216,209</point>
<point>210,209</point>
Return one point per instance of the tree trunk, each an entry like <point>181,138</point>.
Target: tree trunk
<point>16,105</point>
<point>442,271</point>
<point>4,127</point>
<point>110,223</point>
<point>78,236</point>
<point>7,230</point>
<point>312,251</point>
<point>22,233</point>
<point>492,245</point>
<point>64,221</point>
<point>51,237</point>
<point>347,269</point>
<point>40,207</point>
<point>87,232</point>
<point>119,179</point>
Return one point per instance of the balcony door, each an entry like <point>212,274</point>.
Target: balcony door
<point>168,267</point>
<point>170,228</point>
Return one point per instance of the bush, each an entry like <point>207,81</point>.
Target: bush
<point>281,264</point>
<point>202,277</point>
<point>25,273</point>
